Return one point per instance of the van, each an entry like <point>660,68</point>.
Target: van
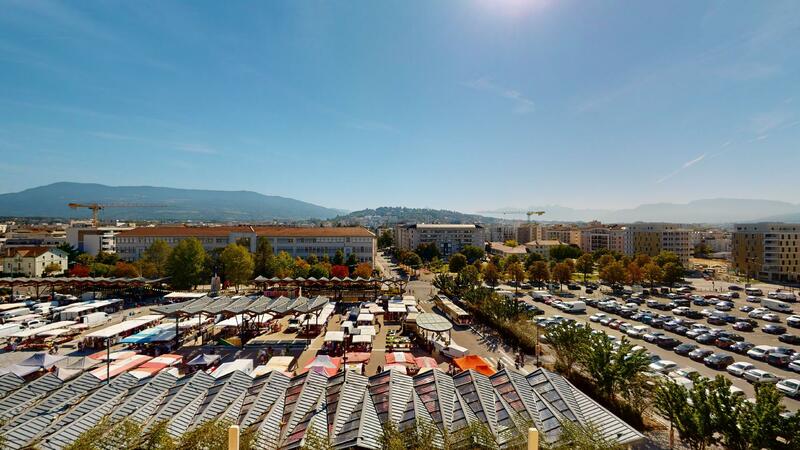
<point>574,307</point>
<point>783,295</point>
<point>776,305</point>
<point>755,292</point>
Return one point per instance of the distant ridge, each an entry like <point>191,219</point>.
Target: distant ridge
<point>399,214</point>
<point>181,204</point>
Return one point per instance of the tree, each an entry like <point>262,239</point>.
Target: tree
<point>672,273</point>
<point>761,422</point>
<point>586,436</point>
<point>511,243</point>
<point>613,273</point>
<point>562,252</point>
<point>53,268</point>
<point>614,370</point>
<point>472,253</point>
<point>413,260</point>
<point>157,254</point>
<point>301,268</point>
<point>363,270</point>
<point>238,264</point>
<point>340,271</point>
<point>516,272</point>
<point>185,264</point>
<point>84,259</point>
<point>642,259</point>
<point>312,259</point>
<point>669,400</point>
<point>428,252</point>
<point>385,240</point>
<point>457,263</point>
<point>585,265</point>
<point>532,258</point>
<point>338,258</point>
<point>605,260</point>
<point>284,265</point>
<point>124,270</point>
<point>72,252</point>
<point>653,273</point>
<point>107,258</point>
<point>635,273</point>
<point>696,425</point>
<point>665,257</point>
<point>320,270</point>
<point>351,261</point>
<point>79,270</point>
<point>726,408</point>
<point>538,272</point>
<point>568,340</point>
<point>264,258</point>
<point>469,277</point>
<point>562,273</point>
<point>702,250</point>
<point>491,275</point>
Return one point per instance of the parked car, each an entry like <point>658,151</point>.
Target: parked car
<point>734,287</point>
<point>760,376</point>
<point>794,365</point>
<point>760,352</point>
<point>753,299</point>
<point>638,331</point>
<point>597,317</point>
<point>707,338</point>
<point>663,366</point>
<point>793,321</point>
<point>789,339</point>
<point>757,313</point>
<point>746,308</point>
<point>741,347</point>
<point>699,354</point>
<point>774,329</point>
<point>739,368</point>
<point>685,348</point>
<point>653,336</point>
<point>724,306</point>
<point>778,359</point>
<point>789,387</point>
<point>723,342</point>
<point>743,326</point>
<point>668,342</point>
<point>718,361</point>
<point>771,317</point>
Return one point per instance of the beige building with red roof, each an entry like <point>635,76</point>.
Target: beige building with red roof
<point>297,241</point>
<point>32,261</point>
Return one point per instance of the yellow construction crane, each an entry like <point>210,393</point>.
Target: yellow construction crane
<point>530,213</point>
<point>96,207</point>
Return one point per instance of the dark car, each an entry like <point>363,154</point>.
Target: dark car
<point>785,351</point>
<point>589,290</point>
<point>778,359</point>
<point>743,326</point>
<point>734,287</point>
<point>685,349</point>
<point>716,320</point>
<point>774,329</point>
<point>725,343</point>
<point>741,347</point>
<point>707,338</point>
<point>682,330</point>
<point>668,342</point>
<point>746,308</point>
<point>659,322</point>
<point>573,287</point>
<point>700,302</point>
<point>731,335</point>
<point>790,339</point>
<point>699,354</point>
<point>718,361</point>
<point>694,314</point>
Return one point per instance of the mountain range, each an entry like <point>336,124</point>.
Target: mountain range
<point>168,204</point>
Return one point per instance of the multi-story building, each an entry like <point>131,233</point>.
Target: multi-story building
<point>32,261</point>
<point>566,234</point>
<point>297,241</point>
<point>449,238</point>
<point>500,232</point>
<point>653,238</point>
<point>542,247</point>
<point>93,240</point>
<point>34,237</point>
<point>598,237</point>
<point>719,241</point>
<point>768,251</point>
<point>528,232</point>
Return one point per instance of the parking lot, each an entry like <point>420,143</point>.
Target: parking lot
<point>702,288</point>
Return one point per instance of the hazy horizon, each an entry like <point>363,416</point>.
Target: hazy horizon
<point>464,106</point>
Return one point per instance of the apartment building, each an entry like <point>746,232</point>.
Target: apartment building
<point>449,238</point>
<point>599,237</point>
<point>653,238</point>
<point>719,241</point>
<point>528,232</point>
<point>500,232</point>
<point>93,240</point>
<point>297,241</point>
<point>32,261</point>
<point>768,251</point>
<point>566,234</point>
<point>542,247</point>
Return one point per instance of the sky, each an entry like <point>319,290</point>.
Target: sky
<point>467,105</point>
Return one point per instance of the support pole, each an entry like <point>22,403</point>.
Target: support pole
<point>233,437</point>
<point>533,439</point>
<point>108,360</point>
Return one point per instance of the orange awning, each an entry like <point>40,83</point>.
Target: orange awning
<point>475,363</point>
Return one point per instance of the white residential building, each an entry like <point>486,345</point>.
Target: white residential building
<point>449,238</point>
<point>32,261</point>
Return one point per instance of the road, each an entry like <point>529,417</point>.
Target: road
<point>755,337</point>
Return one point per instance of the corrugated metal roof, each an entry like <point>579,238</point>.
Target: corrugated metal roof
<point>261,396</point>
<point>15,402</point>
<point>9,382</point>
<point>226,391</point>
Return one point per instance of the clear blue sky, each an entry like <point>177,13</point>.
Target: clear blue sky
<point>466,105</point>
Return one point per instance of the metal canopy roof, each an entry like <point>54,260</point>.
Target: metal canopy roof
<point>433,322</point>
<point>348,409</point>
<point>244,305</point>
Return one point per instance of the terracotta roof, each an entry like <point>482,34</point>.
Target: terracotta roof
<point>271,231</point>
<point>26,252</point>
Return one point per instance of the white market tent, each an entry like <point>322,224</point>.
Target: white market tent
<point>122,327</point>
<point>334,336</point>
<point>244,365</point>
<point>362,339</point>
<point>365,318</point>
<point>185,295</point>
<point>30,332</point>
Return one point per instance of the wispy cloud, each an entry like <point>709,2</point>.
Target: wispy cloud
<point>522,104</point>
<point>685,166</point>
<point>187,147</point>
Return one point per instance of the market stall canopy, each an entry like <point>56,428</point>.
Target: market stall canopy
<point>400,358</point>
<point>334,336</point>
<point>203,359</point>
<point>426,362</point>
<point>18,370</point>
<point>433,322</point>
<point>362,338</point>
<point>475,363</point>
<point>398,367</point>
<point>42,360</point>
<point>83,363</point>
<point>357,357</point>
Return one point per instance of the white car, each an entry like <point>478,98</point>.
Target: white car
<point>794,365</point>
<point>680,310</point>
<point>739,368</point>
<point>793,321</point>
<point>789,388</point>
<point>760,376</point>
<point>663,366</point>
<point>686,372</point>
<point>638,331</point>
<point>771,317</point>
<point>757,313</point>
<point>760,352</point>
<point>723,306</point>
<point>597,317</point>
<point>753,299</point>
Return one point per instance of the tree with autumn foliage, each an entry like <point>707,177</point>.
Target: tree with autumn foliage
<point>363,270</point>
<point>79,270</point>
<point>562,272</point>
<point>124,270</point>
<point>340,271</point>
<point>635,273</point>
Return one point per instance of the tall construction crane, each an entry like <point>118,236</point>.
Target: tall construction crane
<point>530,213</point>
<point>96,207</point>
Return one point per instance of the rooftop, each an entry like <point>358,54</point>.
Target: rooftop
<point>270,231</point>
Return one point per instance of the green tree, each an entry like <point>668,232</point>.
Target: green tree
<point>338,258</point>
<point>185,264</point>
<point>761,422</point>
<point>562,252</point>
<point>53,268</point>
<point>238,264</point>
<point>413,260</point>
<point>670,400</point>
<point>532,258</point>
<point>284,265</point>
<point>702,250</point>
<point>472,253</point>
<point>585,265</point>
<point>72,253</point>
<point>491,275</point>
<point>84,259</point>
<point>319,270</point>
<point>516,272</point>
<point>696,425</point>
<point>385,240</point>
<point>428,252</point>
<point>673,273</point>
<point>614,370</point>
<point>568,340</point>
<point>457,263</point>
<point>351,261</point>
<point>538,272</point>
<point>653,273</point>
<point>562,272</point>
<point>312,259</point>
<point>264,258</point>
<point>469,277</point>
<point>666,257</point>
<point>107,258</point>
<point>726,408</point>
<point>605,260</point>
<point>157,254</point>
<point>613,273</point>
<point>577,436</point>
